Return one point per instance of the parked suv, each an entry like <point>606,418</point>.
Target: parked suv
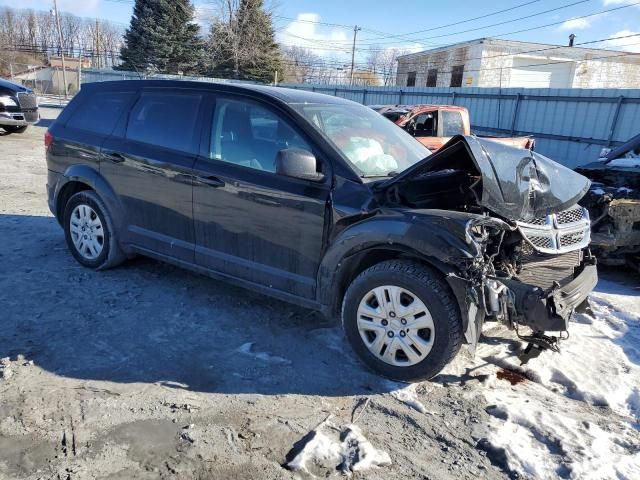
<point>322,202</point>
<point>18,107</point>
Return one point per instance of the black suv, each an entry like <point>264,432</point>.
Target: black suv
<point>18,107</point>
<point>322,202</point>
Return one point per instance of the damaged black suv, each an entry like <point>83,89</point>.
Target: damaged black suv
<point>322,202</point>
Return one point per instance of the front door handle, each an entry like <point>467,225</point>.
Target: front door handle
<point>211,181</point>
<point>114,157</point>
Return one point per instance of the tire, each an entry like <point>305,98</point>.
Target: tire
<point>91,220</point>
<point>436,333</point>
<point>15,129</point>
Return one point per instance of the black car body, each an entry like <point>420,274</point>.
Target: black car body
<point>483,230</point>
<point>18,107</point>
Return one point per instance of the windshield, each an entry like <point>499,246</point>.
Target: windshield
<point>373,145</point>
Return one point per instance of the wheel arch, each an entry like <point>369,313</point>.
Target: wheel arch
<point>429,240</point>
<point>351,265</point>
<point>84,177</point>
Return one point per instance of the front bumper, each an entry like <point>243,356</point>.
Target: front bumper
<point>19,119</point>
<point>530,306</point>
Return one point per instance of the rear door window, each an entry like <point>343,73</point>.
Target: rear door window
<point>99,112</point>
<point>166,119</point>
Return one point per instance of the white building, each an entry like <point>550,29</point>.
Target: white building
<point>491,62</point>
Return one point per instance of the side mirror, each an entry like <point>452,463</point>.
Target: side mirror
<point>298,163</point>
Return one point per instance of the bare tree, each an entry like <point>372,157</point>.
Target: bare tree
<point>33,33</point>
<point>383,62</point>
<point>301,65</point>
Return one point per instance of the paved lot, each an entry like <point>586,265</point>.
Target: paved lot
<point>148,371</point>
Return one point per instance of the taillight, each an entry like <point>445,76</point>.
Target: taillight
<point>48,139</point>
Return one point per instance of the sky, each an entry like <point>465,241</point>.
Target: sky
<point>387,24</point>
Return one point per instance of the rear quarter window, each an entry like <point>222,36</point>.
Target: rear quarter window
<point>99,112</point>
<point>451,123</point>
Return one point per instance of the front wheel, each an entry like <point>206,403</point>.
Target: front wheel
<point>402,320</point>
<point>15,129</point>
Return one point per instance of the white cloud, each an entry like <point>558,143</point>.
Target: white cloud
<point>323,40</point>
<point>631,44</point>
<point>575,24</point>
<point>617,2</point>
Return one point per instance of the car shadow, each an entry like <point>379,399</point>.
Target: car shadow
<point>44,122</point>
<point>148,322</point>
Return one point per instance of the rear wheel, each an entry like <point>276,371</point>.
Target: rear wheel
<point>15,129</point>
<point>89,231</point>
<point>402,320</point>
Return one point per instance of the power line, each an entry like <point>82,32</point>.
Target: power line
<point>450,34</point>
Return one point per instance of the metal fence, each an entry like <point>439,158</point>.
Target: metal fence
<point>570,125</point>
<point>90,75</point>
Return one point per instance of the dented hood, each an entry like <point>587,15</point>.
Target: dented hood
<point>516,184</point>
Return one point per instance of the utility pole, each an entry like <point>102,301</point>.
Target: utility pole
<point>80,70</point>
<point>98,59</point>
<point>64,69</point>
<point>356,29</point>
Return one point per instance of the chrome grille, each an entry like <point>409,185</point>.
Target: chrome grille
<point>559,232</point>
<point>570,239</point>
<point>31,116</point>
<point>538,221</point>
<point>27,100</point>
<point>570,216</point>
<point>540,241</point>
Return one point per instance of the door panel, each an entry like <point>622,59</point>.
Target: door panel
<point>258,226</point>
<point>250,222</point>
<point>153,180</point>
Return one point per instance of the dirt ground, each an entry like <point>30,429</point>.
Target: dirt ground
<point>147,371</point>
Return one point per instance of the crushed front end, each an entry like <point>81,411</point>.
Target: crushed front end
<point>529,265</point>
<point>542,272</point>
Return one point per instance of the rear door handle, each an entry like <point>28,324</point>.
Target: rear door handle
<point>211,181</point>
<point>114,157</point>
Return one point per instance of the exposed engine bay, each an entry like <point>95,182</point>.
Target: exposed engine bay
<point>533,267</point>
<point>614,204</point>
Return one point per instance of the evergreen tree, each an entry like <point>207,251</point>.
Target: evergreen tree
<point>162,37</point>
<point>243,45</point>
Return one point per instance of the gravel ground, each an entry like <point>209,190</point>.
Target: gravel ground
<point>148,371</point>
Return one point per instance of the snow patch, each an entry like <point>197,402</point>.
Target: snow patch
<point>247,348</point>
<point>628,161</point>
<point>408,395</point>
<point>548,427</point>
<point>597,191</point>
<point>347,450</point>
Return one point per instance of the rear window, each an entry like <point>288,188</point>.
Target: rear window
<point>451,123</point>
<point>166,119</point>
<point>99,112</point>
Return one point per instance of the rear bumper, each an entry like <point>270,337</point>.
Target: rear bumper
<point>530,306</point>
<point>53,185</point>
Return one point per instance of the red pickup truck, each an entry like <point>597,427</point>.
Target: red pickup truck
<point>434,125</point>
